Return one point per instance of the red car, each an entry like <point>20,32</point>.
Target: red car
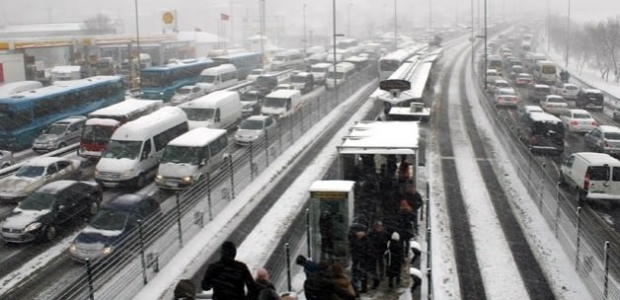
<point>523,79</point>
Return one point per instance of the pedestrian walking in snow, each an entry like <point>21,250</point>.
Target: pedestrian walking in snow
<point>378,238</point>
<point>342,280</point>
<point>228,277</point>
<point>310,267</point>
<point>185,290</point>
<point>394,257</point>
<point>321,286</point>
<point>264,287</point>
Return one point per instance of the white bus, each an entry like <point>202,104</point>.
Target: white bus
<point>11,88</point>
<point>339,75</point>
<point>392,61</point>
<point>217,78</point>
<point>134,151</point>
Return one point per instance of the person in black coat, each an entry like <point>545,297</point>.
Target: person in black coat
<point>394,260</point>
<point>265,289</point>
<point>321,286</point>
<point>377,238</point>
<point>360,257</point>
<point>228,278</point>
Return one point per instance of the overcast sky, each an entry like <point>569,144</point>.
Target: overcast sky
<point>286,16</point>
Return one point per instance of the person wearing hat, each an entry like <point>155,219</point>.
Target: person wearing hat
<point>185,290</point>
<point>228,277</point>
<point>309,266</point>
<point>394,259</point>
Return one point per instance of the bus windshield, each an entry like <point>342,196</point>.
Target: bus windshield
<point>182,155</point>
<point>199,114</point>
<point>97,133</point>
<point>389,65</point>
<point>206,78</point>
<point>123,149</point>
<point>152,79</point>
<point>339,75</point>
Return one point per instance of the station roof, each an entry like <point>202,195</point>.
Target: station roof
<point>379,137</point>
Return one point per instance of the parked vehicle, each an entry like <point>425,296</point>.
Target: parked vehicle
<point>554,104</point>
<point>578,120</point>
<point>189,156</point>
<point>592,175</point>
<point>39,215</point>
<point>114,229</point>
<point>221,109</point>
<point>590,98</point>
<point>134,151</point>
<point>59,134</point>
<point>35,173</point>
<point>542,133</point>
<point>604,138</point>
<point>187,93</point>
<point>254,128</point>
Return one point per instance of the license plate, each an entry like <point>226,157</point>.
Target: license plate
<point>110,184</point>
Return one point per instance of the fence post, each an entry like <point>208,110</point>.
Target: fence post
<point>288,266</point>
<point>577,247</point>
<point>280,136</point>
<point>89,273</point>
<point>251,162</point>
<point>267,147</point>
<point>428,262</point>
<point>291,127</point>
<point>180,229</point>
<point>542,190</point>
<point>557,210</point>
<point>606,266</point>
<point>301,112</point>
<point>142,260</point>
<point>209,196</point>
<point>232,177</point>
<point>308,237</point>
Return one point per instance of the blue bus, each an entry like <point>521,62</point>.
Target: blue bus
<point>23,115</point>
<point>161,82</point>
<point>245,62</point>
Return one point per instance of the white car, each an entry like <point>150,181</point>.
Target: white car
<point>492,75</point>
<point>253,128</point>
<point>506,97</point>
<point>566,90</point>
<point>187,93</point>
<point>36,173</point>
<point>578,120</point>
<point>498,84</point>
<point>554,104</point>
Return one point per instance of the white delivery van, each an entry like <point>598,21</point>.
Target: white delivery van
<point>595,176</point>
<point>281,103</point>
<point>220,109</point>
<point>133,153</point>
<point>339,75</point>
<point>319,71</point>
<point>287,59</point>
<point>188,157</point>
<point>217,78</point>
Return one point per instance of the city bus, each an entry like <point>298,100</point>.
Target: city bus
<point>245,62</point>
<point>23,115</point>
<point>102,123</point>
<point>161,82</point>
<point>392,61</point>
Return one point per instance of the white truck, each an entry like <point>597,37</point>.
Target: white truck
<point>282,103</point>
<point>64,73</point>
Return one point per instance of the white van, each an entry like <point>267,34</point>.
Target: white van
<point>132,155</point>
<point>191,155</point>
<point>287,59</point>
<point>343,71</point>
<point>593,175</point>
<point>281,103</point>
<point>217,78</point>
<point>220,109</point>
<point>11,88</point>
<point>319,71</point>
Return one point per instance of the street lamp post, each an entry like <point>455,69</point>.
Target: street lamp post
<point>567,34</point>
<point>261,12</point>
<point>485,44</point>
<point>349,19</point>
<point>138,40</point>
<point>395,28</point>
<point>305,40</point>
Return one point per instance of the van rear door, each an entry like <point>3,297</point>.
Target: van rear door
<point>597,179</point>
<point>614,185</point>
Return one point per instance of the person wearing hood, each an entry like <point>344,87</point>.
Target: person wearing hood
<point>228,277</point>
<point>265,289</point>
<point>321,285</point>
<point>394,259</point>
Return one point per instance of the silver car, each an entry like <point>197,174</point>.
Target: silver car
<point>253,128</point>
<point>6,159</point>
<point>59,134</point>
<point>604,138</point>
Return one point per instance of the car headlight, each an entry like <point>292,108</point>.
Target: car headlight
<point>159,177</point>
<point>188,179</point>
<point>73,248</point>
<point>107,250</point>
<point>161,93</point>
<point>128,173</point>
<point>32,226</point>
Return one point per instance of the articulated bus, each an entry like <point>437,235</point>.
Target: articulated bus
<point>102,123</point>
<point>23,115</point>
<point>245,62</point>
<point>392,61</point>
<point>161,82</point>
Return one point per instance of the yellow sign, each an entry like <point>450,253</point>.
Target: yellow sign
<point>328,195</point>
<point>168,18</point>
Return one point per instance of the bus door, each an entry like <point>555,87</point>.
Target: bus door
<point>331,213</point>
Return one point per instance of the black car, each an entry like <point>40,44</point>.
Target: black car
<point>590,98</point>
<point>38,215</point>
<point>542,133</point>
<point>115,227</point>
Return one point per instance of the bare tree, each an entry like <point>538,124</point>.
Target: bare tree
<point>99,24</point>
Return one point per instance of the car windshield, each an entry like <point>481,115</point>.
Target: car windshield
<point>183,91</point>
<point>56,128</point>
<point>555,100</point>
<point>251,125</point>
<point>612,136</point>
<point>206,78</point>
<point>525,76</point>
<point>571,87</point>
<point>581,116</point>
<point>318,70</point>
<point>123,149</point>
<point>275,102</point>
<point>507,92</point>
<point>152,79</point>
<point>543,90</point>
<point>97,133</point>
<point>37,201</point>
<point>30,171</point>
<point>107,219</point>
<point>182,155</point>
<point>199,114</point>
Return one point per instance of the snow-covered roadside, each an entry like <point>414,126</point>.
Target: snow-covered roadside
<point>207,242</point>
<point>564,281</point>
